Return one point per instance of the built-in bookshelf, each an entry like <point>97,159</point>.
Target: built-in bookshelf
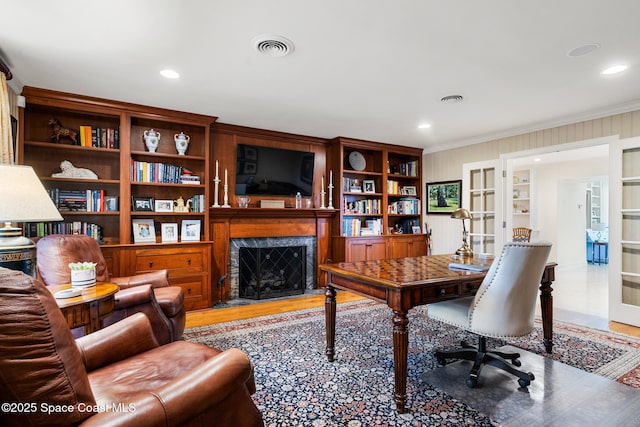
<point>380,197</point>
<point>107,138</point>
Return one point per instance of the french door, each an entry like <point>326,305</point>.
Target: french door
<point>482,195</point>
<point>624,231</point>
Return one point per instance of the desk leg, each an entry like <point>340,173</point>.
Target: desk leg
<point>400,351</point>
<point>330,319</point>
<point>546,306</point>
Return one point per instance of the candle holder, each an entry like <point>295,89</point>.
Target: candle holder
<point>226,196</point>
<point>322,193</point>
<point>215,192</point>
<point>330,206</point>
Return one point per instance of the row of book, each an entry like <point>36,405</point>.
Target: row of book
<point>198,203</point>
<point>40,229</point>
<point>99,137</point>
<point>362,207</point>
<point>406,169</point>
<point>83,200</point>
<point>394,187</point>
<point>158,172</point>
<point>405,206</point>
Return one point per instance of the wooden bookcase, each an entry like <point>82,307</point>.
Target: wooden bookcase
<point>377,190</point>
<point>115,166</point>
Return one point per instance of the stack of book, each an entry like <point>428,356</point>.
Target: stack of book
<point>189,179</point>
<point>78,200</point>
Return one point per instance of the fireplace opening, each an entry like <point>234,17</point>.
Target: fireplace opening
<point>272,272</point>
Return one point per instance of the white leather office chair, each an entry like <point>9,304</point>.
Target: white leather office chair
<point>504,306</point>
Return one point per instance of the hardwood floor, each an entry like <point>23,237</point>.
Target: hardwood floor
<point>227,314</point>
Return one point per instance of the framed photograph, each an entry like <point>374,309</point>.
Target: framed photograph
<point>369,185</point>
<point>143,231</point>
<point>142,204</point>
<point>169,232</point>
<point>248,168</point>
<point>111,204</point>
<point>190,230</point>
<point>409,190</point>
<point>164,205</point>
<point>443,197</point>
<point>250,154</point>
<point>416,229</point>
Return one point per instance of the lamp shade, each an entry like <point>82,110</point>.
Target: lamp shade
<point>461,213</point>
<point>23,198</point>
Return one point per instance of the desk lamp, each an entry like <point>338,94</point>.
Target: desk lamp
<point>463,214</point>
<point>22,199</point>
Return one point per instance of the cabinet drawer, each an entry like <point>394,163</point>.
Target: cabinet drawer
<point>470,288</point>
<point>441,291</point>
<point>176,262</point>
<point>196,291</point>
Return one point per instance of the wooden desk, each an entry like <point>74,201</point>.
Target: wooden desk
<point>405,283</point>
<point>88,309</point>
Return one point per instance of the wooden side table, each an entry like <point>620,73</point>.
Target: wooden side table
<point>88,309</point>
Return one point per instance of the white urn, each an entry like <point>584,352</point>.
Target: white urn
<point>151,140</point>
<point>182,142</point>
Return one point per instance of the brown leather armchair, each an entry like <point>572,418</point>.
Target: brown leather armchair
<point>147,293</point>
<point>116,376</point>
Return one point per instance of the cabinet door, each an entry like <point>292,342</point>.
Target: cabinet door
<point>366,249</point>
<point>624,231</point>
<point>408,246</point>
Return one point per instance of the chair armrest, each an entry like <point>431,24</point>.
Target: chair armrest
<point>185,397</point>
<point>131,297</point>
<point>126,338</point>
<point>157,279</point>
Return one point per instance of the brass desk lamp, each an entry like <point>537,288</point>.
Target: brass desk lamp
<point>463,214</point>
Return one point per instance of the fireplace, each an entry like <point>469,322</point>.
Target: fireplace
<point>271,272</point>
<point>303,246</point>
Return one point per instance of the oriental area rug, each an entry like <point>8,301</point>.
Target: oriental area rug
<point>297,386</point>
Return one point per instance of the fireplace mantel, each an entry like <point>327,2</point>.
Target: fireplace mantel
<point>233,223</point>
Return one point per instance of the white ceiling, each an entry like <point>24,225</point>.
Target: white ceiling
<point>368,69</point>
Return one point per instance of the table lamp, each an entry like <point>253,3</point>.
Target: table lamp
<point>463,214</point>
<point>23,198</point>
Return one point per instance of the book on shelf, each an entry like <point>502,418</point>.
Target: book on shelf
<point>189,179</point>
<point>362,207</point>
<point>98,137</point>
<point>155,172</point>
<point>408,206</point>
<point>40,229</point>
<point>78,200</point>
<point>351,227</point>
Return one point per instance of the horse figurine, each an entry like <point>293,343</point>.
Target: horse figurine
<point>62,132</point>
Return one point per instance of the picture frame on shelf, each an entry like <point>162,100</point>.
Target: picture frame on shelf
<point>190,230</point>
<point>111,204</point>
<point>409,190</point>
<point>169,232</point>
<point>144,231</point>
<point>443,197</point>
<point>142,204</point>
<point>163,205</point>
<point>416,229</point>
<point>369,186</point>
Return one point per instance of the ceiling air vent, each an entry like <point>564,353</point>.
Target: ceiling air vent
<point>452,99</point>
<point>272,45</point>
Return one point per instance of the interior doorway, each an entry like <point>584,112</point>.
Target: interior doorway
<point>562,212</point>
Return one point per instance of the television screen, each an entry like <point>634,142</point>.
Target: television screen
<point>273,171</point>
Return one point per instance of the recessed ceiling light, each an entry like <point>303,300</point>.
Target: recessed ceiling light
<point>583,50</point>
<point>537,159</point>
<point>424,126</point>
<point>170,74</point>
<point>614,69</point>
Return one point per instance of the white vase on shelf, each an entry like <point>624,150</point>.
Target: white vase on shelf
<point>151,140</point>
<point>182,142</point>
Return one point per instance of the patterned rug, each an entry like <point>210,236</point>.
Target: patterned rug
<point>296,386</point>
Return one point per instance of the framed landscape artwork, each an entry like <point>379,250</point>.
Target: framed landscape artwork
<point>443,197</point>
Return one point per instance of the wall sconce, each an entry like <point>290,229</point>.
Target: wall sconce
<point>463,214</point>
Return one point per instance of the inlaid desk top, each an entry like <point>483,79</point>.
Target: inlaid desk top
<point>405,272</point>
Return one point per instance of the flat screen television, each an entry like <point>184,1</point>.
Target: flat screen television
<point>272,171</point>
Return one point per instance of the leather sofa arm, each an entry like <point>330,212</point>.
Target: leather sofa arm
<point>178,401</point>
<point>157,279</point>
<point>128,337</point>
<point>131,297</point>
